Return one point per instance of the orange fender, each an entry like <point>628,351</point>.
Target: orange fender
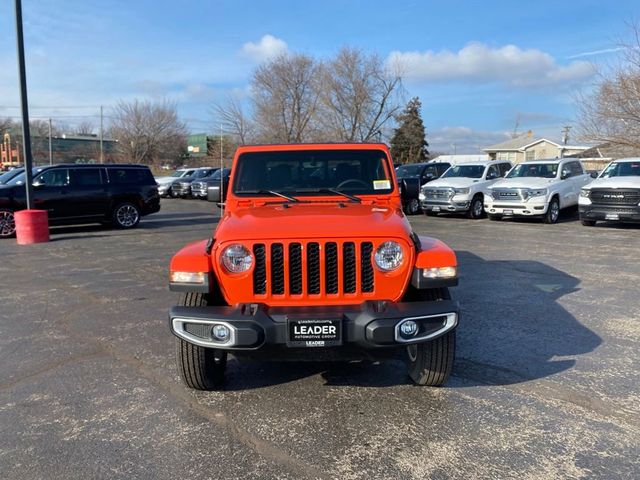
<point>434,253</point>
<point>192,258</point>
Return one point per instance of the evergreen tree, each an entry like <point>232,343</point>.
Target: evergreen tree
<point>408,144</point>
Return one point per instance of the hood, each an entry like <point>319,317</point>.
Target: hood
<point>165,180</point>
<point>454,182</point>
<point>312,220</point>
<point>524,182</point>
<point>615,182</point>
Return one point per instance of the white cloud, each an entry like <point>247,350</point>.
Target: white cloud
<point>268,47</point>
<point>477,62</point>
<point>463,140</point>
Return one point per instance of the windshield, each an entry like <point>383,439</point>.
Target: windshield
<point>622,169</point>
<point>361,172</point>
<point>6,176</point>
<point>218,173</point>
<point>178,173</point>
<point>408,170</point>
<point>465,171</point>
<point>543,170</point>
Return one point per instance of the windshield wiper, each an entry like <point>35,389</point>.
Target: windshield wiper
<point>330,190</point>
<point>271,192</point>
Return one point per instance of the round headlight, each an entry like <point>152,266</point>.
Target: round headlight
<point>236,258</point>
<point>388,256</point>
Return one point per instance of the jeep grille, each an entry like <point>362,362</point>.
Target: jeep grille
<point>313,268</point>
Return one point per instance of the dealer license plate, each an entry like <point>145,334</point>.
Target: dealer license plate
<point>507,212</point>
<point>435,209</point>
<point>612,216</point>
<point>314,333</point>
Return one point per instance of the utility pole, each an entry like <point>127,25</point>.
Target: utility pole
<point>565,139</point>
<point>101,135</point>
<point>50,149</point>
<point>221,174</point>
<point>26,134</point>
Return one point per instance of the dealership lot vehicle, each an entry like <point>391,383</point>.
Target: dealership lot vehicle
<point>546,382</point>
<point>182,187</point>
<point>461,188</point>
<point>614,196</point>
<point>422,173</point>
<point>117,194</point>
<point>200,188</point>
<point>164,183</point>
<point>537,189</point>
<point>276,275</point>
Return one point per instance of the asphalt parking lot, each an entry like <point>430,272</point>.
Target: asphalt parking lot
<point>546,382</point>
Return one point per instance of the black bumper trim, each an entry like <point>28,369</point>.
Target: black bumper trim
<point>369,325</point>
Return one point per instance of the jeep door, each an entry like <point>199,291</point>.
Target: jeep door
<point>88,191</point>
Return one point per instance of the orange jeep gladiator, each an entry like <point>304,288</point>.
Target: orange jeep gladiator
<point>313,253</point>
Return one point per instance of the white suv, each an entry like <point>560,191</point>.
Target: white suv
<point>614,196</point>
<point>537,189</point>
<point>460,188</point>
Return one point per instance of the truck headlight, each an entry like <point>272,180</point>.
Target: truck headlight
<point>541,192</point>
<point>586,193</point>
<point>388,256</point>
<point>236,258</point>
<point>461,191</point>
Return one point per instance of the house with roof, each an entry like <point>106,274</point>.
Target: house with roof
<point>526,148</point>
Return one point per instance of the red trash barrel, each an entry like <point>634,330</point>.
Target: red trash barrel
<point>32,226</point>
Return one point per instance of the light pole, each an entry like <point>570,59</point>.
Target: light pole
<point>26,136</point>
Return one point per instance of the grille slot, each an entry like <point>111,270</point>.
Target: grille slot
<point>331,267</point>
<point>295,269</point>
<point>349,267</point>
<point>366,267</point>
<point>277,269</point>
<point>260,270</point>
<point>198,329</point>
<point>313,268</point>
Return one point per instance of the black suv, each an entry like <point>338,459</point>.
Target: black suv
<point>116,194</point>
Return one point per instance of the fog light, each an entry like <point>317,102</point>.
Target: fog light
<point>220,333</point>
<point>408,328</point>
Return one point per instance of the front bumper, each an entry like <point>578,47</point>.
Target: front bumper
<point>370,325</point>
<point>610,213</point>
<point>516,208</point>
<point>455,204</point>
<point>199,191</point>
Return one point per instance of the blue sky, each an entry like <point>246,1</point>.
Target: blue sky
<point>476,66</point>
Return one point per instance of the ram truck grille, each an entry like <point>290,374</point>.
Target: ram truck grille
<point>438,193</point>
<point>309,268</point>
<point>615,197</point>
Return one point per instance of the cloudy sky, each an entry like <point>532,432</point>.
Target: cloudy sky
<point>478,67</point>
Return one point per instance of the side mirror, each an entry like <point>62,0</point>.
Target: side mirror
<point>593,174</point>
<point>492,176</point>
<point>565,174</point>
<point>39,183</point>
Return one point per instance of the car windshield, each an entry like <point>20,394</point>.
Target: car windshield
<point>218,173</point>
<point>19,179</point>
<point>542,170</point>
<point>465,171</point>
<point>178,173</point>
<point>622,169</point>
<point>408,170</point>
<point>313,172</point>
<point>6,176</point>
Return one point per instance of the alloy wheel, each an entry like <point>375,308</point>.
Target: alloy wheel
<point>7,223</point>
<point>127,215</point>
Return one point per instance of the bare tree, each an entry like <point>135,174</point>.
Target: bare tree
<point>359,96</point>
<point>85,127</point>
<point>148,132</point>
<point>234,120</point>
<point>5,124</point>
<point>285,98</point>
<point>611,114</point>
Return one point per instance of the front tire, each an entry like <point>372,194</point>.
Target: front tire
<point>7,223</point>
<point>413,207</point>
<point>126,215</point>
<point>431,363</point>
<point>476,208</point>
<point>200,368</point>
<point>553,211</point>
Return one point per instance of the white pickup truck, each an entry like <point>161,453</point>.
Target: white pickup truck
<point>537,189</point>
<point>460,189</point>
<point>614,195</point>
